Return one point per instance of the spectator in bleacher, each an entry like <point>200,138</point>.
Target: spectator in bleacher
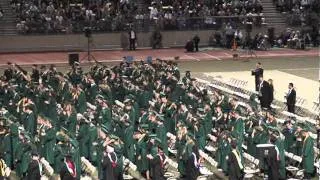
<point>291,98</point>
<point>1,13</point>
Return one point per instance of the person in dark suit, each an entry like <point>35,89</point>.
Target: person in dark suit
<point>193,164</point>
<point>132,39</point>
<point>271,90</point>
<point>235,166</point>
<point>291,98</point>
<point>264,93</point>
<point>257,73</point>
<point>196,41</point>
<point>33,172</point>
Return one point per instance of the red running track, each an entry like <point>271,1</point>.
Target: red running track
<point>166,54</point>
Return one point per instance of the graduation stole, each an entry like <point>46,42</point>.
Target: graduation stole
<point>71,168</point>
<point>304,141</point>
<point>2,168</point>
<point>195,161</point>
<point>113,162</point>
<point>278,156</point>
<point>40,166</point>
<point>235,152</point>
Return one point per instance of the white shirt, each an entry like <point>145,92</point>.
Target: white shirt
<point>132,35</point>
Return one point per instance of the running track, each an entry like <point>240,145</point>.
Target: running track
<point>165,54</point>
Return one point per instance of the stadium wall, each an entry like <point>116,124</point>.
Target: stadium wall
<point>33,43</point>
<point>78,42</point>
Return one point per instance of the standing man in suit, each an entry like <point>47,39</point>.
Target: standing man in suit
<point>291,98</point>
<point>257,73</point>
<point>264,93</point>
<point>132,39</point>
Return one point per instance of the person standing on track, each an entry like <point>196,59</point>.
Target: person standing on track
<point>257,73</point>
<point>291,98</point>
<point>132,39</point>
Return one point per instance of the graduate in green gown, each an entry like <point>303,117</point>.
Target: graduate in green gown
<point>29,120</point>
<point>48,140</point>
<point>22,155</point>
<point>238,131</point>
<point>224,148</point>
<point>105,114</point>
<point>128,139</point>
<point>307,155</point>
<point>141,148</point>
<point>208,125</point>
<point>83,138</point>
<point>69,118</point>
<point>10,145</point>
<point>199,132</point>
<point>288,132</point>
<point>79,99</point>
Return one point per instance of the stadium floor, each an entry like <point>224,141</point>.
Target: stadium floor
<point>282,65</point>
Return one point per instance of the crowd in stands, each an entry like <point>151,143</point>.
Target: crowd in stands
<point>304,12</point>
<point>61,17</point>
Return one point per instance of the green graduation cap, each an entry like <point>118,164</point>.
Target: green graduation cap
<point>99,96</point>
<point>131,96</point>
<point>163,95</point>
<point>200,109</point>
<point>144,126</point>
<point>112,136</point>
<point>160,117</point>
<point>306,127</point>
<point>126,101</point>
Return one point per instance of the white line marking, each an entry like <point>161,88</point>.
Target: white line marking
<point>214,57</point>
<point>192,57</point>
<point>227,54</point>
<point>299,69</point>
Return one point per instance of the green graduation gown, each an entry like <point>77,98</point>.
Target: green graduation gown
<point>83,140</point>
<point>106,115</point>
<point>224,149</point>
<point>141,150</point>
<point>162,135</point>
<point>308,155</point>
<point>47,145</point>
<point>129,143</point>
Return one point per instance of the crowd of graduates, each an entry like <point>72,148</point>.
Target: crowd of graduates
<point>107,113</point>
